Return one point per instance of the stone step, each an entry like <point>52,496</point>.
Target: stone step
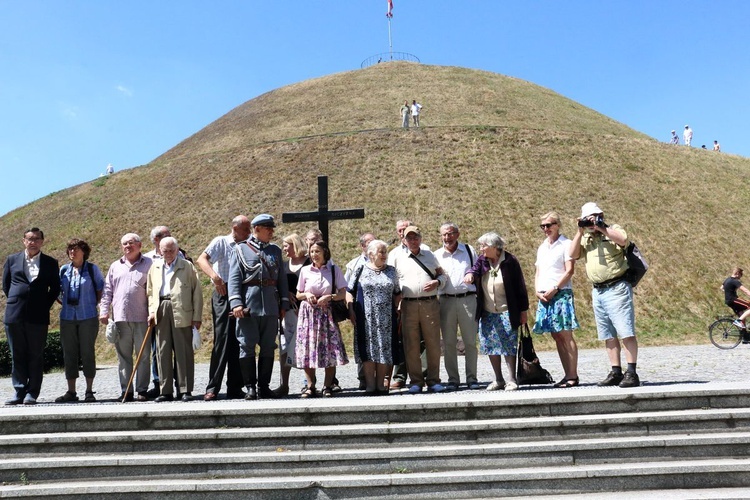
<point>386,434</point>
<point>466,405</point>
<point>380,460</point>
<point>520,481</point>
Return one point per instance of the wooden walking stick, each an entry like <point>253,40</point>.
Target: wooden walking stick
<point>137,360</point>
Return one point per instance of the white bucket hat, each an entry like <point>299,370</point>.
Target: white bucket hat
<point>590,208</point>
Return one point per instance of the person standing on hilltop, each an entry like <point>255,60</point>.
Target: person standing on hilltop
<point>674,140</point>
<point>31,283</point>
<point>415,109</point>
<point>717,146</point>
<point>687,135</point>
<point>405,111</point>
<point>602,247</point>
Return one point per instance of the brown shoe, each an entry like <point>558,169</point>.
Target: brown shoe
<point>397,384</point>
<point>209,396</point>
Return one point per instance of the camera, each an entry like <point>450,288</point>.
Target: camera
<point>598,221</point>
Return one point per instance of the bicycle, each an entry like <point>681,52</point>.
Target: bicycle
<point>724,334</point>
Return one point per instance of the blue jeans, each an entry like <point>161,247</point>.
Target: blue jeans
<point>614,311</point>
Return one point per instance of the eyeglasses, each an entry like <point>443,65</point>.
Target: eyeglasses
<point>34,240</point>
<point>547,226</point>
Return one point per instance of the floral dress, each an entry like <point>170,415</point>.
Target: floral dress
<point>376,330</point>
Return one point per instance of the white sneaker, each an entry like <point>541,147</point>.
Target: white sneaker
<point>511,386</point>
<point>739,324</point>
<point>495,386</point>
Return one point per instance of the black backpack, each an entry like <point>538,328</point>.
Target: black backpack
<point>637,265</point>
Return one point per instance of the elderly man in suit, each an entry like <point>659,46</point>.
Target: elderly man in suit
<point>175,306</point>
<point>31,282</point>
<point>258,296</point>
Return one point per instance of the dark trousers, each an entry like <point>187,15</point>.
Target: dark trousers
<point>26,342</point>
<point>226,351</point>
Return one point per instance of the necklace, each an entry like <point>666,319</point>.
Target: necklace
<point>494,269</point>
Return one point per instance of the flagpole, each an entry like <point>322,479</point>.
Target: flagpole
<point>390,41</point>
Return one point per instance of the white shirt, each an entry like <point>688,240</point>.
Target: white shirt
<point>456,265</point>
<point>167,272</point>
<point>31,266</point>
<point>402,249</point>
<point>550,260</point>
<point>415,109</point>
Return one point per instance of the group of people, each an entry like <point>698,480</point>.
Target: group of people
<point>687,139</point>
<point>400,303</point>
<point>412,111</point>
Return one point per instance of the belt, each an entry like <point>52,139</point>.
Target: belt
<point>261,283</point>
<point>458,295</point>
<point>431,297</point>
<point>165,297</point>
<point>609,283</point>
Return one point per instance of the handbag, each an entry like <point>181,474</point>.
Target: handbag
<point>339,309</point>
<point>529,370</point>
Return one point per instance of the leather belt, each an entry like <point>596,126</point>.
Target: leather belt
<point>261,283</point>
<point>431,297</point>
<point>164,297</point>
<point>458,295</point>
<point>608,283</point>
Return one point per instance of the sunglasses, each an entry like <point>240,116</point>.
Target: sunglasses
<point>547,226</point>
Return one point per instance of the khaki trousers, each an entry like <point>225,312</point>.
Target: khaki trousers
<point>420,320</point>
<point>180,340</point>
<point>455,313</point>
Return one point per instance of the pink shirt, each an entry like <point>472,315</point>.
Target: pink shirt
<point>318,281</point>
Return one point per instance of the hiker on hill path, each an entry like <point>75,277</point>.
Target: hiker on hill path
<point>415,110</point>
<point>717,146</point>
<point>405,111</point>
<point>674,140</point>
<point>602,247</point>
<point>687,135</point>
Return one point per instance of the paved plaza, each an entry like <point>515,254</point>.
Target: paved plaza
<point>657,367</point>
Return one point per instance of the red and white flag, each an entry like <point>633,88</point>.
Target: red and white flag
<point>389,13</point>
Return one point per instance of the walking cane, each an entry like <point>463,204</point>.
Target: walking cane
<point>137,360</point>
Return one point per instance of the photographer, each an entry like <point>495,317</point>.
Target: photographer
<point>602,247</point>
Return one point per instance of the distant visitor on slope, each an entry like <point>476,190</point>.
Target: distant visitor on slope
<point>687,135</point>
<point>717,146</point>
<point>405,110</point>
<point>415,109</point>
<point>110,169</point>
<point>674,139</point>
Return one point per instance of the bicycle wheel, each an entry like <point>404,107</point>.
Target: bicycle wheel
<point>724,334</point>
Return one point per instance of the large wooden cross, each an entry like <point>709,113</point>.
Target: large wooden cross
<point>323,215</point>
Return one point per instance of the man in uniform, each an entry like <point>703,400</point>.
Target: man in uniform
<point>258,297</point>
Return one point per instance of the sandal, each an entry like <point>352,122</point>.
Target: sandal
<point>68,397</point>
<point>328,392</point>
<point>309,392</point>
<point>565,383</point>
<point>89,397</point>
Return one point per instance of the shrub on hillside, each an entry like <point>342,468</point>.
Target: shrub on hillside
<point>53,354</point>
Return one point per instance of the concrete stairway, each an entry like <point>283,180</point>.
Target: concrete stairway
<point>462,445</point>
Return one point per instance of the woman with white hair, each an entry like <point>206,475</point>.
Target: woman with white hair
<point>375,293</point>
<point>555,312</point>
<point>503,304</point>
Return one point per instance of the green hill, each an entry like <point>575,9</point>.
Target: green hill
<point>494,153</point>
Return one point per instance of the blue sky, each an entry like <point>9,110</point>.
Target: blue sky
<point>87,83</point>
